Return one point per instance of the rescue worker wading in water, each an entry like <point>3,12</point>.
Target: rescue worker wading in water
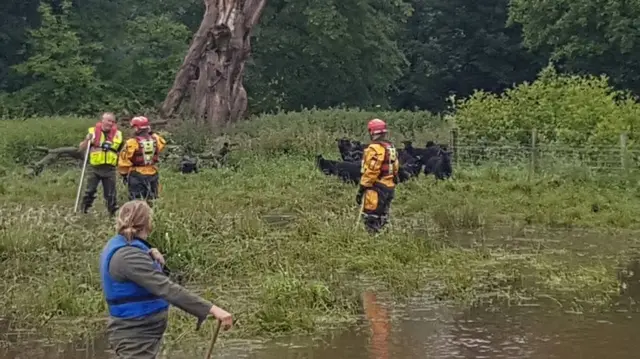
<point>105,140</point>
<point>138,159</point>
<point>379,177</point>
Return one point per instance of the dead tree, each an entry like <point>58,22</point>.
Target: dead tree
<point>213,69</point>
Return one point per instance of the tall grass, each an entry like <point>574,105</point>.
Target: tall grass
<point>272,238</point>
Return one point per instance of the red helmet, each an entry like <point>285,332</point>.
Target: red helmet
<point>376,127</point>
<point>139,122</point>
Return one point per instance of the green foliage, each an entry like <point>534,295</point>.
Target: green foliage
<point>82,62</point>
<point>64,80</point>
<point>456,48</point>
<point>149,57</point>
<point>566,109</point>
<point>312,131</point>
<point>122,54</point>
<point>296,133</point>
<point>585,36</point>
<point>16,16</point>
<point>326,53</point>
<point>290,303</point>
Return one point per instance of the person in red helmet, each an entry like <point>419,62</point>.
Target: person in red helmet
<point>379,177</point>
<point>138,160</point>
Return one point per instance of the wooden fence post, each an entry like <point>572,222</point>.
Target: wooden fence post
<point>534,150</point>
<point>624,154</point>
<point>453,144</point>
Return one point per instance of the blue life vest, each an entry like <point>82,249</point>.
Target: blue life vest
<point>127,299</point>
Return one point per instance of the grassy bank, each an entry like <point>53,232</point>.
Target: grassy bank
<point>273,239</point>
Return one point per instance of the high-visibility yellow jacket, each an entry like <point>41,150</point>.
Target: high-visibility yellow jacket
<point>141,154</point>
<point>99,155</point>
<point>379,165</point>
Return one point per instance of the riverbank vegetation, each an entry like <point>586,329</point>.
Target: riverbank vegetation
<point>272,238</point>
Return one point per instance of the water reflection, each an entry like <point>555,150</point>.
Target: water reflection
<point>380,325</point>
<point>422,331</point>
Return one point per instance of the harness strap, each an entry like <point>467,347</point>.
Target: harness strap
<point>132,299</point>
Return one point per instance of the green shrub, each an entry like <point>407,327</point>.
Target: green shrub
<point>312,131</point>
<point>565,109</point>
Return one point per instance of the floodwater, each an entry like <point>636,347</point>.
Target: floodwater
<point>424,329</point>
<point>427,332</point>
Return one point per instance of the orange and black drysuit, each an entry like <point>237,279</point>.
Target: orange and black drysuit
<point>377,184</point>
<point>137,164</point>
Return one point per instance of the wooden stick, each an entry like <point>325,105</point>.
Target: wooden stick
<point>359,216</point>
<point>213,340</point>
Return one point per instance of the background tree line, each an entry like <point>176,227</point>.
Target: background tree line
<point>84,56</point>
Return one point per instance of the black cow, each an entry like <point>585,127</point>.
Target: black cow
<point>347,171</point>
<point>438,162</point>
<point>418,153</point>
<point>188,164</point>
<point>350,151</point>
<point>410,168</point>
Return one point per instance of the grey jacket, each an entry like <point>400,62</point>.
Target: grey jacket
<point>141,338</point>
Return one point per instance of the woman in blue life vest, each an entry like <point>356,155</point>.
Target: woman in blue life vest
<point>138,293</point>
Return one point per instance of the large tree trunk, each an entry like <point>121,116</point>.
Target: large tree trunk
<point>213,69</point>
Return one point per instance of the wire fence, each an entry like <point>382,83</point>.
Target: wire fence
<point>524,148</point>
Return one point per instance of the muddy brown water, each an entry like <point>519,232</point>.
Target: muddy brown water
<point>422,329</point>
<point>437,332</point>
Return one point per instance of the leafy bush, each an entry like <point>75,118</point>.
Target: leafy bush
<point>566,109</point>
<point>312,131</point>
<point>67,73</point>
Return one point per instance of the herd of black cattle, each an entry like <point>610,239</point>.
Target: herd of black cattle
<point>433,159</point>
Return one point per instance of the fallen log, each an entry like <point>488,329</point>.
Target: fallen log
<point>52,155</point>
<point>172,151</point>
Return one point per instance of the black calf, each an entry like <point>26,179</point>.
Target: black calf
<point>418,153</point>
<point>344,147</point>
<point>357,146</point>
<point>434,159</point>
<point>438,162</point>
<point>410,168</point>
<point>188,164</point>
<point>350,151</point>
<point>347,171</point>
<point>405,157</point>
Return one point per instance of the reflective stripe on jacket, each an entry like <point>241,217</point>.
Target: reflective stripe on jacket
<point>101,156</point>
